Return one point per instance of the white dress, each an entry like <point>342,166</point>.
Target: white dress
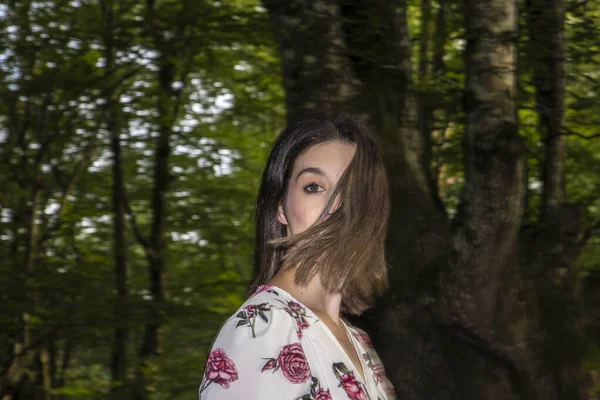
<point>274,347</point>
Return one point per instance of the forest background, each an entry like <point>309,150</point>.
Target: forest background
<point>132,139</point>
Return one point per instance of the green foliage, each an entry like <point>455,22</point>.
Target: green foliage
<point>55,148</point>
<point>85,382</point>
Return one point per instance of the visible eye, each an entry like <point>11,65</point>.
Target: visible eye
<point>313,188</point>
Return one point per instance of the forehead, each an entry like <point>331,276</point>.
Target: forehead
<point>331,157</point>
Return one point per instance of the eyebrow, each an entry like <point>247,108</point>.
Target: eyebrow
<point>314,170</point>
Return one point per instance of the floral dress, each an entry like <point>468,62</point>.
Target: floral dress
<point>274,347</point>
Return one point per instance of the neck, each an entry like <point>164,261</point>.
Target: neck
<point>313,295</point>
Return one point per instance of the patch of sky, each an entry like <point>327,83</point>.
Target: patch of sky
<point>74,44</point>
<point>6,215</point>
<point>225,166</point>
<point>534,184</point>
<point>142,55</point>
<point>190,237</point>
<point>5,56</point>
<point>3,11</point>
<point>100,163</point>
<point>13,32</point>
<point>242,66</point>
<point>90,225</point>
<point>52,208</point>
<point>36,28</point>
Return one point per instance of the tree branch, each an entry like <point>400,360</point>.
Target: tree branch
<point>570,132</point>
<point>67,189</point>
<point>132,220</point>
<point>4,368</point>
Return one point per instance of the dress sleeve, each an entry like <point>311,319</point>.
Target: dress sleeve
<point>375,364</point>
<point>256,355</point>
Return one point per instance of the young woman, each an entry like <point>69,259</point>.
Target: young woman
<point>321,220</point>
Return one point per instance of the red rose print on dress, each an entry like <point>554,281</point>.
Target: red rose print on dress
<point>265,288</point>
<point>296,307</point>
<point>302,325</point>
<point>374,364</point>
<point>378,373</point>
<point>348,382</point>
<point>352,387</point>
<point>322,394</point>
<point>293,363</point>
<point>251,309</point>
<point>365,340</point>
<point>381,378</point>
<point>316,391</point>
<point>298,312</point>
<point>219,369</point>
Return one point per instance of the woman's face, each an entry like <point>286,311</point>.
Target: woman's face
<point>313,178</point>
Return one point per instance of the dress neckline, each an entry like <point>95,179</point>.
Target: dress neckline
<point>265,288</point>
<point>349,333</point>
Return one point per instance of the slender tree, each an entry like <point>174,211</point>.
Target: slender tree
<point>121,334</point>
<point>559,304</point>
<point>30,141</point>
<point>547,53</point>
<point>174,63</point>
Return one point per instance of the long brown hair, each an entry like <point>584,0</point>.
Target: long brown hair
<point>347,249</point>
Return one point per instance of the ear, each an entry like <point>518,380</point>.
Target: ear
<point>281,214</point>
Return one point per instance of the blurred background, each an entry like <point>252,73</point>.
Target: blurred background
<point>132,139</point>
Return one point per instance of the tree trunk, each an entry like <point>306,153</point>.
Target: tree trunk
<point>316,73</point>
<point>455,322</point>
<point>424,35</point>
<point>486,228</point>
<point>118,365</point>
<point>167,101</point>
<point>24,371</point>
<point>441,36</point>
<point>156,249</point>
<point>545,22</point>
<point>438,67</point>
<point>558,298</point>
<point>120,341</point>
<point>425,110</point>
<point>19,378</point>
<point>43,375</point>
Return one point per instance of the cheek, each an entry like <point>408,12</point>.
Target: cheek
<point>302,211</point>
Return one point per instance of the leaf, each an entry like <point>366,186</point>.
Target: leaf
<point>263,316</point>
<point>340,367</point>
<point>315,382</point>
<point>242,322</point>
<point>271,364</point>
